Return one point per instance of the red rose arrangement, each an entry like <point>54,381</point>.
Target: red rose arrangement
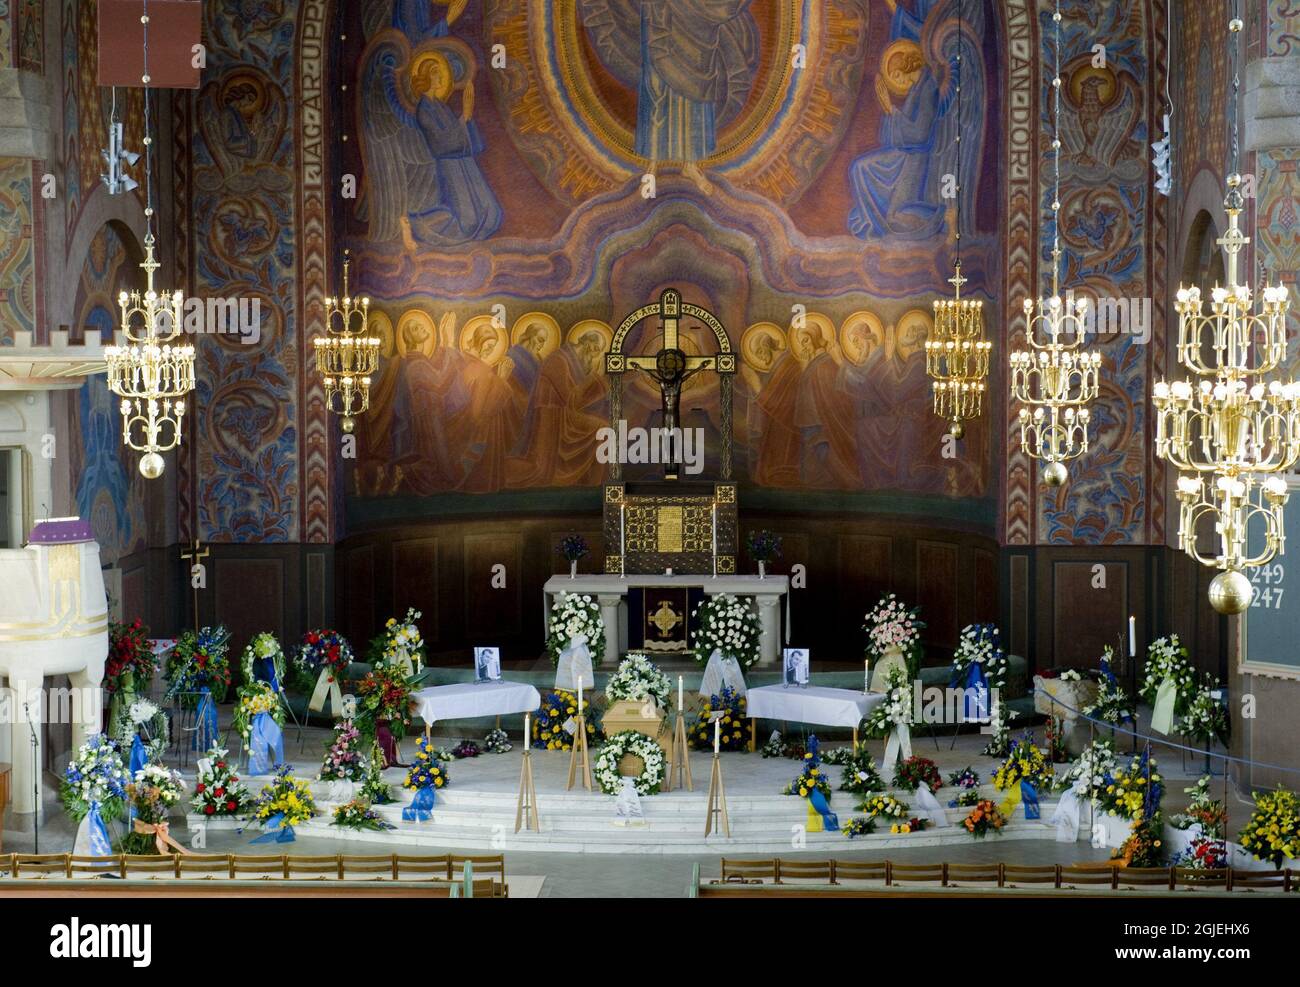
<point>129,653</point>
<point>218,790</point>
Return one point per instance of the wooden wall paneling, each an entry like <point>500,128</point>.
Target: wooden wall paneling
<point>1086,617</point>
<point>415,583</point>
<point>250,598</point>
<point>984,592</point>
<point>1018,608</point>
<point>593,563</point>
<point>135,596</point>
<point>494,614</point>
<point>937,592</point>
<point>356,596</point>
<point>316,604</point>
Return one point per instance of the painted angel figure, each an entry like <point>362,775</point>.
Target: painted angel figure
<point>422,182</point>
<point>897,187</point>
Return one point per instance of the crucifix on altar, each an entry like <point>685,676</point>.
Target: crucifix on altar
<point>198,574</point>
<point>671,523</point>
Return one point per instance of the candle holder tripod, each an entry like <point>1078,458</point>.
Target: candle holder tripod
<point>580,742</point>
<point>679,766</point>
<point>717,802</point>
<point>526,816</point>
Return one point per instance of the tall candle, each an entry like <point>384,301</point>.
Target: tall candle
<point>1132,637</point>
<point>866,675</point>
<point>717,734</point>
<point>579,695</point>
<point>680,691</point>
<point>622,551</point>
<point>528,730</point>
<point>713,536</point>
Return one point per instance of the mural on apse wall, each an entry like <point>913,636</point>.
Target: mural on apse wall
<point>799,152</point>
<point>17,258</point>
<point>1107,215</point>
<point>109,489</point>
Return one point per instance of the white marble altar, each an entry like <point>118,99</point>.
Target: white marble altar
<point>610,591</point>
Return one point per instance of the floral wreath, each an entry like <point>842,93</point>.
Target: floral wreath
<point>263,646</point>
<point>630,742</point>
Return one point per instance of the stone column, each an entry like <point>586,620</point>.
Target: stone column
<point>611,608</point>
<point>769,619</point>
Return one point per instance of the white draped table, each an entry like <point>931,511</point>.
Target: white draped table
<point>815,704</point>
<point>470,700</point>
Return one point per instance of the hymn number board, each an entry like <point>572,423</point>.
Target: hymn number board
<point>1273,617</point>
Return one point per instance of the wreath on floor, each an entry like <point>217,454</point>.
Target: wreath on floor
<point>613,751</point>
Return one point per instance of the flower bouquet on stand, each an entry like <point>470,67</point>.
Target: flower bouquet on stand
<point>893,640</point>
<point>323,654</point>
<point>144,733</point>
<point>1169,683</point>
<point>1025,772</point>
<point>764,547</point>
<point>94,788</point>
<point>735,724</point>
<point>357,814</point>
<point>264,660</point>
<point>979,645</point>
<point>556,720</point>
<point>218,791</point>
<point>575,640</point>
<point>814,785</point>
<point>259,717</point>
<point>400,646</point>
<point>384,708</point>
<point>425,777</point>
<point>727,638</point>
<point>1205,812</point>
<point>151,795</point>
<point>198,676</point>
<point>573,548</point>
<point>1205,721</point>
<point>892,719</point>
<point>127,670</point>
<point>284,802</point>
<point>1112,704</point>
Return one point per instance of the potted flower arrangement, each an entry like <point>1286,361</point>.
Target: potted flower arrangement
<point>893,638</point>
<point>556,718</point>
<point>1206,815</point>
<point>910,773</point>
<point>860,775</point>
<point>152,793</point>
<point>384,707</point>
<point>913,825</point>
<point>967,783</point>
<point>357,814</point>
<point>1089,772</point>
<point>895,711</point>
<point>497,742</point>
<point>575,620</point>
<point>1024,762</point>
<point>95,776</point>
<point>886,807</point>
<point>218,792</point>
<point>374,789</point>
<point>325,653</point>
<point>764,547</point>
<point>425,776</point>
<point>1143,846</point>
<point>573,548</point>
<point>1205,719</point>
<point>810,778</point>
<point>638,696</point>
<point>727,625</point>
<point>735,724</point>
<point>1273,831</point>
<point>984,819</point>
<point>199,662</point>
<point>343,759</point>
<point>1129,793</point>
<point>284,802</point>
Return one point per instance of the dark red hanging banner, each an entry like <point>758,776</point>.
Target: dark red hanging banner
<point>175,32</point>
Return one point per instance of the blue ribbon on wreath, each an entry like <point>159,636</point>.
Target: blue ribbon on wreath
<point>265,745</point>
<point>1029,795</point>
<point>206,734</point>
<point>98,833</point>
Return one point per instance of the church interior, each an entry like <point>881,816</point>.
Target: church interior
<point>836,448</point>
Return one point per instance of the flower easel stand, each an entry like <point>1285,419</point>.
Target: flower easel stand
<point>580,743</point>
<point>526,816</point>
<point>717,802</point>
<point>679,766</point>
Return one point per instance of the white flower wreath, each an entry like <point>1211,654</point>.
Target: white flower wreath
<point>630,742</point>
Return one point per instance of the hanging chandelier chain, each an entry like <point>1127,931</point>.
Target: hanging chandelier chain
<point>1234,55</point>
<point>957,130</point>
<point>1056,156</point>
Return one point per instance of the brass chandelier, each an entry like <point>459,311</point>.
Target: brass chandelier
<point>958,355</point>
<point>1232,435</point>
<point>150,373</point>
<point>1055,378</point>
<point>345,356</point>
